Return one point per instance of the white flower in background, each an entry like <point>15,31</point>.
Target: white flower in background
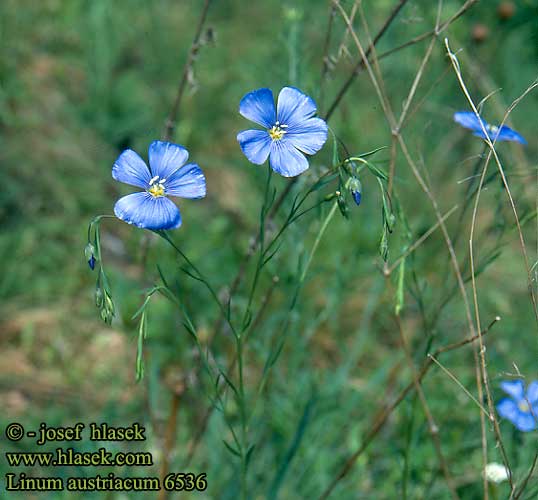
<point>496,473</point>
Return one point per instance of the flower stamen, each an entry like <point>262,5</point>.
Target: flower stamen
<point>524,407</point>
<point>156,187</point>
<point>277,131</point>
<point>492,129</point>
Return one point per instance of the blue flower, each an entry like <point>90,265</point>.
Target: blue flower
<point>521,408</point>
<point>166,176</point>
<point>469,120</point>
<point>291,130</point>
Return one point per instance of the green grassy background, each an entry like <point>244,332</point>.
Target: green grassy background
<point>82,80</point>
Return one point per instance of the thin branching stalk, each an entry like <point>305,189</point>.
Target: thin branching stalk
<point>422,239</point>
<point>279,343</point>
<point>172,119</point>
<point>433,428</point>
<point>519,491</point>
<point>359,65</point>
<point>492,153</point>
<point>378,86</point>
<point>420,38</point>
<point>385,412</point>
<point>325,60</point>
<point>491,145</point>
<point>194,442</point>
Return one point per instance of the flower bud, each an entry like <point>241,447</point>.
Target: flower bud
<point>342,205</point>
<point>109,305</point>
<point>98,297</point>
<point>89,252</point>
<point>391,221</point>
<point>104,315</point>
<point>356,190</point>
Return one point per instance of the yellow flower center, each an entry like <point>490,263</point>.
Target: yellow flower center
<point>277,131</point>
<point>156,188</point>
<point>524,407</point>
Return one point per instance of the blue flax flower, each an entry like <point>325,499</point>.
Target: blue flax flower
<point>291,130</point>
<point>166,176</point>
<point>521,408</point>
<point>469,120</point>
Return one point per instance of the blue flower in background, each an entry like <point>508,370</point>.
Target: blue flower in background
<point>291,130</point>
<point>167,175</point>
<point>469,120</point>
<point>521,408</point>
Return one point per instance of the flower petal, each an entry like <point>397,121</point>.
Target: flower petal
<point>525,422</point>
<point>255,144</point>
<point>507,408</point>
<point>468,119</point>
<point>532,393</point>
<point>309,136</point>
<point>187,182</point>
<point>259,107</point>
<point>294,107</point>
<point>514,388</point>
<point>286,160</point>
<point>130,169</point>
<point>479,133</point>
<point>165,158</point>
<point>145,211</point>
<point>507,134</point>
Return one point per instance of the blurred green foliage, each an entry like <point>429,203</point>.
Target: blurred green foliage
<point>82,80</point>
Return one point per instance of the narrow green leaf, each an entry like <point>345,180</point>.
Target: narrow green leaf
<point>377,171</point>
<point>400,288</point>
<point>249,454</point>
<point>142,331</point>
<point>292,450</point>
<point>231,449</point>
<point>323,181</point>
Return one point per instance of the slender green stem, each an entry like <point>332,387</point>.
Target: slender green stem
<point>294,212</point>
<point>199,277</point>
<point>244,327</point>
<point>191,328</point>
<point>242,411</point>
<point>94,224</point>
<point>263,213</point>
<point>276,352</point>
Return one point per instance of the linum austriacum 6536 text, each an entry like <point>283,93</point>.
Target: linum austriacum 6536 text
<point>66,456</point>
